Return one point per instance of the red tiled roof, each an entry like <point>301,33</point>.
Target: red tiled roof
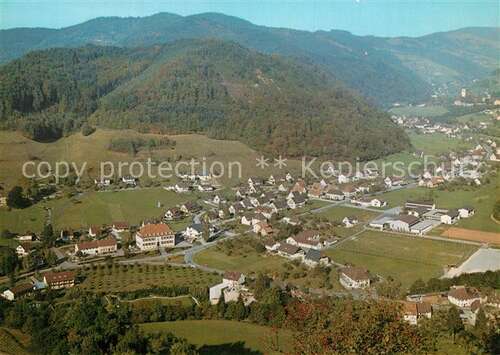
<point>232,275</point>
<point>53,277</point>
<point>120,225</point>
<point>96,244</point>
<point>153,230</point>
<point>356,273</point>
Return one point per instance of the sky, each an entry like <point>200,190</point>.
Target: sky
<point>361,17</point>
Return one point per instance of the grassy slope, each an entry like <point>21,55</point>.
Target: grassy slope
<point>211,333</point>
<point>93,208</point>
<point>426,111</point>
<point>16,149</point>
<point>249,262</point>
<point>438,143</point>
<point>404,258</point>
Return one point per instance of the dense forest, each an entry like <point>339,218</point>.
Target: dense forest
<point>387,70</point>
<point>206,86</point>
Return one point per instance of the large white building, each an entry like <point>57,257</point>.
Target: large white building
<point>153,236</point>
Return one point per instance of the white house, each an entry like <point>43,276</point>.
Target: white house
<point>129,180</point>
<point>462,296</point>
<point>18,291</point>
<point>451,217</point>
<point>466,211</point>
<point>349,221</point>
<point>23,249</point>
<point>194,230</point>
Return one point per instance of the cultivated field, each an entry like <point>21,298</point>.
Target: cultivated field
<point>404,258</point>
<point>474,235</point>
<point>120,278</point>
<point>338,213</point>
<point>224,337</point>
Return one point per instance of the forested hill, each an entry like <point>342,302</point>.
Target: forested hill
<point>383,69</point>
<point>218,88</point>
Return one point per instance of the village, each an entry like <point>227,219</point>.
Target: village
<point>274,211</point>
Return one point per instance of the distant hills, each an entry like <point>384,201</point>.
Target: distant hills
<point>219,88</point>
<point>383,69</point>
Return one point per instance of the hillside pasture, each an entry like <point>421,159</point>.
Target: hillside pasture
<point>401,257</point>
<point>225,337</point>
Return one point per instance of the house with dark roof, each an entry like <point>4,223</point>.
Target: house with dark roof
<point>403,223</point>
<point>450,217</point>
<point>354,277</point>
<point>466,211</point>
<point>315,257</point>
<point>290,251</point>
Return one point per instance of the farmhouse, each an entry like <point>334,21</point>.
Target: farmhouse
<point>332,193</point>
<point>466,211</point>
<point>173,214</point>
<point>231,287</point>
<point>58,280</point>
<point>451,217</point>
<point>354,277</point>
<point>462,296</point>
<point>119,227</point>
<point>300,187</point>
<point>296,201</point>
<point>23,249</point>
<point>181,187</point>
<point>263,229</point>
<point>290,251</point>
<point>18,291</point>
<point>413,311</point>
<point>190,207</point>
<point>195,230</point>
<point>153,236</point>
<point>314,258</point>
<point>306,239</point>
<point>97,247</point>
<point>350,221</point>
<point>129,180</point>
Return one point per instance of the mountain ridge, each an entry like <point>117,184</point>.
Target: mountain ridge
<point>214,87</point>
<point>383,69</point>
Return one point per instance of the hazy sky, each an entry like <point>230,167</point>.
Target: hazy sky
<point>362,17</point>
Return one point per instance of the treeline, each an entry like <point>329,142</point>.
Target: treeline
<point>211,87</point>
<point>133,145</point>
<point>480,280</point>
<point>86,326</point>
